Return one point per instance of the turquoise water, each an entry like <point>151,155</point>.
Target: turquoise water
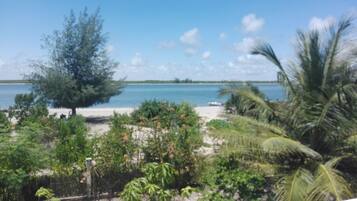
<point>134,94</point>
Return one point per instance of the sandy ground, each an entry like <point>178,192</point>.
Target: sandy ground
<point>206,113</point>
<point>97,118</point>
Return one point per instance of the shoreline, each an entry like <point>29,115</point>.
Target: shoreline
<point>98,118</point>
<point>207,113</point>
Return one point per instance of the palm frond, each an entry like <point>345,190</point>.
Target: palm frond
<point>332,48</point>
<point>248,100</point>
<point>328,185</point>
<point>259,124</point>
<point>294,187</point>
<point>267,51</point>
<point>352,141</point>
<point>281,147</point>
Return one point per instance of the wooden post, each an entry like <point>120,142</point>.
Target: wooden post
<point>89,177</point>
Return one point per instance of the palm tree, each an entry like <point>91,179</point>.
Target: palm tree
<point>319,117</point>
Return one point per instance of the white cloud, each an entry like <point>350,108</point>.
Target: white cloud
<point>167,44</point>
<point>252,67</point>
<point>222,36</point>
<point>15,67</point>
<point>246,45</point>
<point>190,37</point>
<point>320,24</point>
<point>109,48</point>
<point>190,51</point>
<point>251,23</point>
<point>137,60</point>
<point>206,55</point>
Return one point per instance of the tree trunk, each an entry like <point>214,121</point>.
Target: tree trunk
<point>74,112</point>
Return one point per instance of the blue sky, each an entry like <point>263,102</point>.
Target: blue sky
<point>152,39</point>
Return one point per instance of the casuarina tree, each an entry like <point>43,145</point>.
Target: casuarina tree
<point>78,71</point>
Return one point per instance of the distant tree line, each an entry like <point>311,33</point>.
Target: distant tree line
<point>187,80</point>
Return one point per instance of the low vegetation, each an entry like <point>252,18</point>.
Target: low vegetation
<point>300,149</point>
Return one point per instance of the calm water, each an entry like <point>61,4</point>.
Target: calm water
<point>134,94</point>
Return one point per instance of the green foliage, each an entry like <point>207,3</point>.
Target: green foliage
<point>215,196</point>
<point>47,194</point>
<point>177,148</point>
<point>219,124</point>
<point>72,146</point>
<point>248,185</point>
<point>319,118</point>
<point>114,151</point>
<point>247,100</point>
<point>79,72</point>
<point>187,191</point>
<point>41,131</point>
<point>28,108</point>
<point>153,185</point>
<point>173,138</point>
<point>161,174</point>
<point>5,125</point>
<point>19,159</point>
<point>230,182</point>
<point>165,114</point>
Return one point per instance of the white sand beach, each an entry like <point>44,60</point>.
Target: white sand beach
<point>98,117</point>
<point>206,112</point>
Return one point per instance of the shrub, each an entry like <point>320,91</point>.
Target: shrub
<point>219,124</point>
<point>42,131</point>
<point>19,158</point>
<point>176,147</point>
<point>229,182</point>
<point>168,115</point>
<point>5,125</point>
<point>72,145</point>
<point>28,107</point>
<point>46,194</point>
<point>157,177</point>
<point>114,151</point>
<point>174,137</point>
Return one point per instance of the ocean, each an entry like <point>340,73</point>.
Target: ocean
<point>197,94</point>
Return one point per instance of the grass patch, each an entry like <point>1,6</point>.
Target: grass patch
<point>242,137</point>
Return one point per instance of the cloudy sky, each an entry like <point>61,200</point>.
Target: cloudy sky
<point>153,39</point>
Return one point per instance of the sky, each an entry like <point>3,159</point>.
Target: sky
<point>167,39</point>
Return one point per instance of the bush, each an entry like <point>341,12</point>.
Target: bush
<point>114,151</point>
<point>219,124</point>
<point>5,125</point>
<point>168,115</point>
<point>72,146</point>
<point>42,131</point>
<point>19,159</point>
<point>46,194</point>
<point>157,177</point>
<point>174,137</point>
<point>176,147</point>
<point>229,182</point>
<point>28,107</point>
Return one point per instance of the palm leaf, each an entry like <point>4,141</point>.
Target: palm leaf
<point>333,47</point>
<point>281,147</point>
<point>328,185</point>
<point>267,51</point>
<point>294,187</point>
<point>259,124</point>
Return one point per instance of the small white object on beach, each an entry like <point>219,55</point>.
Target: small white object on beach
<point>215,103</point>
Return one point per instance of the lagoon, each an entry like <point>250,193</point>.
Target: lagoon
<point>197,94</point>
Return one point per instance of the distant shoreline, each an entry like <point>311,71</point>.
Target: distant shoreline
<point>156,81</point>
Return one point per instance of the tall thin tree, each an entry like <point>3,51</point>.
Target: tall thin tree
<point>78,72</point>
